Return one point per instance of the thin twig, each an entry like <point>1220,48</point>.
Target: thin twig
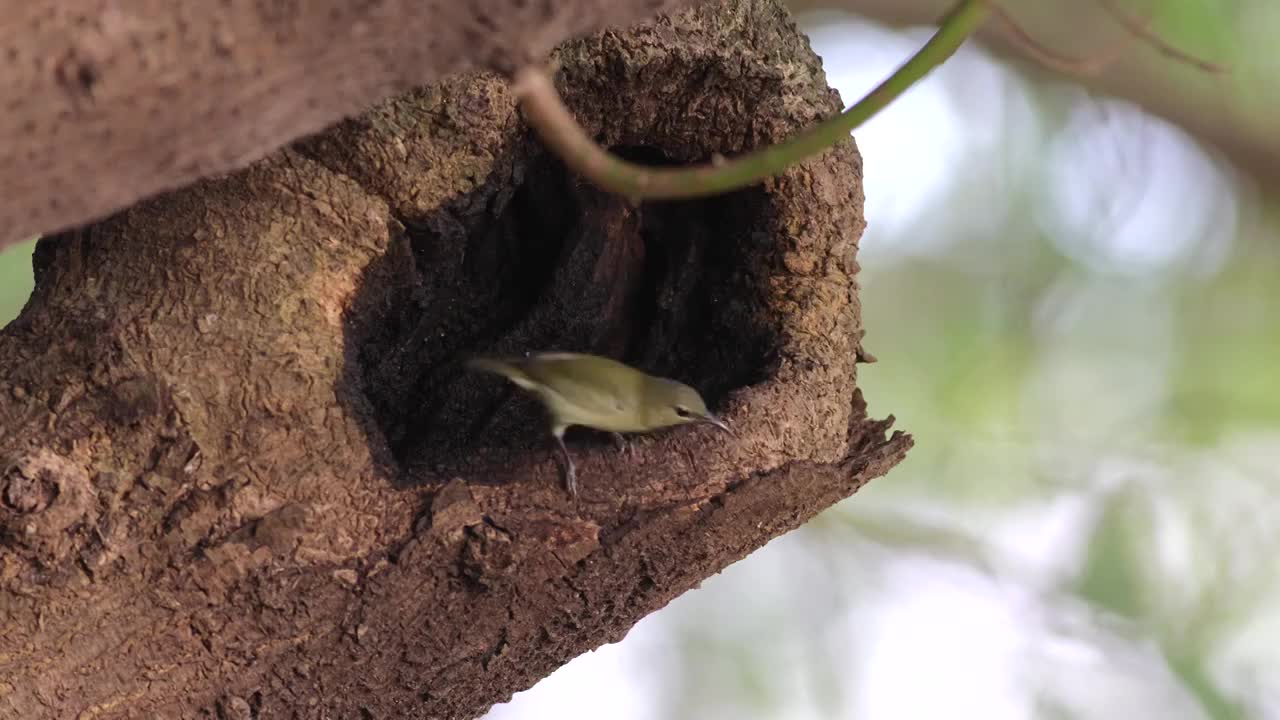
<point>1137,29</point>
<point>1057,61</point>
<point>560,131</point>
<point>1143,30</point>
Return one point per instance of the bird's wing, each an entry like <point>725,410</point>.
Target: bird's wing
<point>513,370</point>
<point>586,382</point>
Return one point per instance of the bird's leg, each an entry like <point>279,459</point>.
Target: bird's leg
<point>570,473</point>
<point>623,446</point>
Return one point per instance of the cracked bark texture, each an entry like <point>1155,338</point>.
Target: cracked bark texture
<point>242,473</point>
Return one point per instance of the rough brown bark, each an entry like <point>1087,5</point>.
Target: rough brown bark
<point>243,475</point>
<point>108,101</point>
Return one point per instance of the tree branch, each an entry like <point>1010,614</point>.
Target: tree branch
<point>108,102</point>
<point>1233,112</point>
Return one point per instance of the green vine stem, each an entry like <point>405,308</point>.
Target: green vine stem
<point>560,131</point>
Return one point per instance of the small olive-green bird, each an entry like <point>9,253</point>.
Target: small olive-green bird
<point>600,393</point>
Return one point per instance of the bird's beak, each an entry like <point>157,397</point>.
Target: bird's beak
<point>713,420</point>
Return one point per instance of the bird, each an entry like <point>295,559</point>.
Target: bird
<point>600,393</point>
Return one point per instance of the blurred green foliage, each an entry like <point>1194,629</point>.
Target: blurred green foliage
<point>15,279</point>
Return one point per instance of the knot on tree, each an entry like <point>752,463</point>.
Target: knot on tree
<point>43,496</point>
<point>26,492</point>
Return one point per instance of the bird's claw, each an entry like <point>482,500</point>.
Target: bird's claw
<point>571,481</point>
<point>624,447</point>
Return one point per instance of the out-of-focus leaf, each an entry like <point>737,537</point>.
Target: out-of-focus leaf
<point>1115,574</point>
<point>15,279</point>
<point>903,531</point>
<point>1190,668</point>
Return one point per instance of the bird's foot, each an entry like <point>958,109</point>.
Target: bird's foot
<point>571,480</point>
<point>570,473</point>
<point>624,447</point>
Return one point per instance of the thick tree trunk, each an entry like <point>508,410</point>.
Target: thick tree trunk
<point>242,473</point>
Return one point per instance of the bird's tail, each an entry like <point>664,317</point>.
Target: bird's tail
<point>509,369</point>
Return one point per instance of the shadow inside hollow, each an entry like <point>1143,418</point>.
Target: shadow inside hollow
<point>674,288</point>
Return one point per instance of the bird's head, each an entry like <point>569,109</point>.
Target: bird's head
<point>674,403</point>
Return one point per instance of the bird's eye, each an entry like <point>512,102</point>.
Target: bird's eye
<point>682,411</point>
